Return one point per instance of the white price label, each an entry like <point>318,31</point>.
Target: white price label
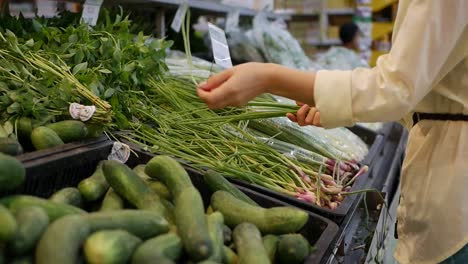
<point>120,152</point>
<point>82,112</point>
<point>179,17</point>
<point>91,10</point>
<point>232,20</point>
<point>219,46</point>
<point>46,8</point>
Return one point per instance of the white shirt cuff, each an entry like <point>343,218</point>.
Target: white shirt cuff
<point>333,98</point>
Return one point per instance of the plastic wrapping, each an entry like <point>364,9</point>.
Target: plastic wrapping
<point>178,66</point>
<point>338,144</point>
<point>241,48</point>
<point>372,126</point>
<point>278,45</point>
<point>339,58</point>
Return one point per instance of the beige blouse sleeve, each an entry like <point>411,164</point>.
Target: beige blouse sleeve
<point>426,46</point>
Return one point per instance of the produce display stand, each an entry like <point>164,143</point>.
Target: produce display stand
<point>360,226</point>
<point>56,168</point>
<point>47,174</point>
<point>375,143</point>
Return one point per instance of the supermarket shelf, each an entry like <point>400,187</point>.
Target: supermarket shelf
<point>381,29</point>
<point>330,12</point>
<point>341,11</point>
<point>378,5</point>
<point>199,5</point>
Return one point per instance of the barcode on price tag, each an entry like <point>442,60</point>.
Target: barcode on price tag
<point>179,17</point>
<point>232,20</point>
<point>219,46</point>
<point>91,10</point>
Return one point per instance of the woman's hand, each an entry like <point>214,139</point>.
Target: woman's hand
<point>235,86</point>
<point>238,85</point>
<point>306,116</point>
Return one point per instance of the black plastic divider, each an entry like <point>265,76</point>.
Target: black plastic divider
<point>51,170</point>
<point>375,143</point>
<point>47,174</point>
<point>319,231</point>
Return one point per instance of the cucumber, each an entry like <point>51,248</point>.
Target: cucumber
<point>22,260</point>
<point>54,210</point>
<point>110,246</point>
<point>229,257</point>
<point>32,222</point>
<point>217,182</point>
<point>270,243</point>
<point>209,210</point>
<point>62,240</point>
<point>160,189</point>
<point>164,246</point>
<point>12,173</point>
<point>44,138</point>
<point>10,146</point>
<point>249,245</point>
<point>95,186</point>
<point>131,187</point>
<point>94,130</point>
<point>292,248</point>
<point>140,170</point>
<point>276,220</point>
<point>208,261</point>
<point>156,260</point>
<point>170,172</point>
<point>8,224</point>
<point>143,224</point>
<point>227,234</point>
<point>69,130</point>
<point>24,127</point>
<point>215,227</point>
<point>68,195</point>
<point>192,224</point>
<point>112,201</point>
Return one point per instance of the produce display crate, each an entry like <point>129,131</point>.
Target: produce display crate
<point>47,174</point>
<point>53,169</point>
<point>373,140</point>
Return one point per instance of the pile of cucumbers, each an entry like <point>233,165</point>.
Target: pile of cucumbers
<point>26,134</point>
<point>149,214</point>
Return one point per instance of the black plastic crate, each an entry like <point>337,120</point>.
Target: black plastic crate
<point>319,231</point>
<point>53,169</point>
<point>47,174</point>
<point>375,143</point>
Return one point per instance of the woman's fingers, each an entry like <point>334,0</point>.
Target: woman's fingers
<point>317,119</point>
<point>310,116</point>
<point>214,99</point>
<point>216,80</point>
<point>301,114</point>
<point>292,117</point>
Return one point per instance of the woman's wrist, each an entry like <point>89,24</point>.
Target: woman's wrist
<point>294,84</point>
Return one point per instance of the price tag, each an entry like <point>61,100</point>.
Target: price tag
<point>46,8</point>
<point>219,46</point>
<point>91,10</point>
<point>81,112</point>
<point>120,152</point>
<point>232,20</point>
<point>179,17</point>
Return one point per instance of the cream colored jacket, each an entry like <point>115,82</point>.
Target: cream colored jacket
<point>426,71</point>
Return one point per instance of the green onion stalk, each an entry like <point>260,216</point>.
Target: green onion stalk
<point>172,120</point>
